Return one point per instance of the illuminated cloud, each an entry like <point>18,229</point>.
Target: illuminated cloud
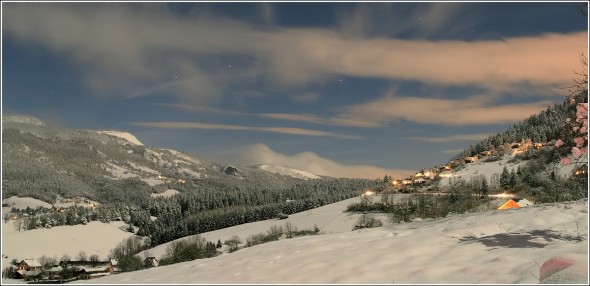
<point>284,130</point>
<point>311,162</point>
<point>449,112</point>
<point>452,138</point>
<point>104,39</point>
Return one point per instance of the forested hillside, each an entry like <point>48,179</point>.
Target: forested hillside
<point>124,178</point>
<point>546,126</point>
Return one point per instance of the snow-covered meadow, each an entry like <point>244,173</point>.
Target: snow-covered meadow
<point>494,247</point>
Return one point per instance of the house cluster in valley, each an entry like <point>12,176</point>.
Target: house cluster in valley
<point>32,271</point>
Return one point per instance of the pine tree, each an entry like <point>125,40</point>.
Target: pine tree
<point>484,187</point>
<point>505,178</point>
<point>512,179</point>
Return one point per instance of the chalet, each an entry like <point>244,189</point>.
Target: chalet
<point>538,145</point>
<point>396,183</point>
<point>431,173</point>
<point>487,153</point>
<point>115,265</point>
<point>150,262</point>
<point>29,265</point>
<point>471,159</point>
<point>406,181</point>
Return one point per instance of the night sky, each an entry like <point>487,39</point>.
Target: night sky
<point>338,89</point>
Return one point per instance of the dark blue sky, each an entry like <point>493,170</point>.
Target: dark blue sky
<point>341,89</point>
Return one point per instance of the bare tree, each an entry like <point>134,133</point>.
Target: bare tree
<point>290,229</point>
<point>233,243</point>
<point>82,256</point>
<point>580,79</point>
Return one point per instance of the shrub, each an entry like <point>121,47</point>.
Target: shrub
<point>366,221</point>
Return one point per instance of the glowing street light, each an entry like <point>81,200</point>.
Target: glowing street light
<point>367,196</point>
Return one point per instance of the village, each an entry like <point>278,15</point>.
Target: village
<point>34,272</point>
<point>425,177</point>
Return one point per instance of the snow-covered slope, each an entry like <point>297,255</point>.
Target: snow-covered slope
<point>495,247</point>
<point>121,134</point>
<point>24,202</point>
<point>487,169</point>
<point>299,174</point>
<point>93,238</point>
<point>329,219</point>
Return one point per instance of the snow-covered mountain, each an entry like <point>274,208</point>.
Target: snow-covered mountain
<point>75,162</point>
<point>122,134</point>
<point>295,173</point>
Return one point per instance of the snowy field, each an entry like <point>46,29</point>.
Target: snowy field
<point>494,247</point>
<point>329,219</point>
<point>93,238</point>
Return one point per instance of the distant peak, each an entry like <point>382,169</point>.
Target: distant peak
<point>121,134</point>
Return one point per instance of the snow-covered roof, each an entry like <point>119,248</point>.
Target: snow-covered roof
<point>56,269</point>
<point>524,202</point>
<point>32,262</point>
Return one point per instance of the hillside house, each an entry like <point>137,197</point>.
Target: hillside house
<point>396,182</point>
<point>115,265</point>
<point>471,159</point>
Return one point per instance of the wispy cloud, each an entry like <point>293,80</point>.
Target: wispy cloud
<point>449,112</point>
<point>392,20</point>
<point>474,110</point>
<point>311,162</point>
<point>452,138</point>
<point>284,130</point>
<point>296,117</point>
<point>103,40</point>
